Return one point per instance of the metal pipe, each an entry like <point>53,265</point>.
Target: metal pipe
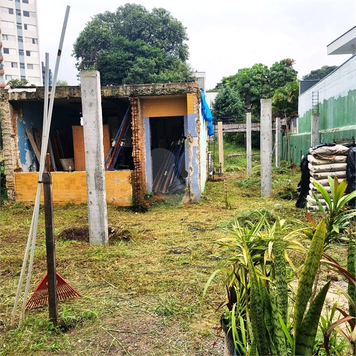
<point>47,115</point>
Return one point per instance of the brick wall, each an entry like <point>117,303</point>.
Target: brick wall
<point>71,187</point>
<point>138,155</point>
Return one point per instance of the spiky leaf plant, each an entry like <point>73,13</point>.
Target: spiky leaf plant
<point>304,334</point>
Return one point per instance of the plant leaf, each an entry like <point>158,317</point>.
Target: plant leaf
<point>323,192</point>
<point>307,277</point>
<point>332,327</point>
<point>304,343</point>
<point>281,274</point>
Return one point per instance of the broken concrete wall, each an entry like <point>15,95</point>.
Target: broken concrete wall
<point>193,128</point>
<point>15,109</point>
<point>9,116</point>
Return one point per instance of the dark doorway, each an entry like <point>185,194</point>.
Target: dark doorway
<point>168,154</point>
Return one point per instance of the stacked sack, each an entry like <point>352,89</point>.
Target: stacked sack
<point>325,161</point>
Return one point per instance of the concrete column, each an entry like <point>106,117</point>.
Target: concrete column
<point>94,157</point>
<point>315,138</point>
<point>221,146</point>
<point>266,147</point>
<point>248,144</point>
<point>278,141</point>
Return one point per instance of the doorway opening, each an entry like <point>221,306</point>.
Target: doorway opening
<point>168,155</point>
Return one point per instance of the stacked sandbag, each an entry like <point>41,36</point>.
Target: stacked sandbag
<point>323,162</point>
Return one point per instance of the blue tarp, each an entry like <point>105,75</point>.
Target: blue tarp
<point>207,113</point>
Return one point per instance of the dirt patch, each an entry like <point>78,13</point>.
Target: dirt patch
<point>81,234</point>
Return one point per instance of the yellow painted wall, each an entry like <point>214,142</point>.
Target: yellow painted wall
<point>71,187</point>
<point>165,107</point>
<point>190,103</point>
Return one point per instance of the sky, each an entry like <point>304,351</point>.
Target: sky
<point>224,36</point>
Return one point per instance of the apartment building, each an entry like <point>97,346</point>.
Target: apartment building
<point>19,46</point>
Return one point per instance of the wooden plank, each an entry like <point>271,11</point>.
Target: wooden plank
<point>78,145</point>
<point>33,143</point>
<point>255,126</point>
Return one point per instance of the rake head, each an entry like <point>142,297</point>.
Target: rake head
<point>40,295</point>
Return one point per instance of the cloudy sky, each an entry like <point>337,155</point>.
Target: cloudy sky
<point>224,35</point>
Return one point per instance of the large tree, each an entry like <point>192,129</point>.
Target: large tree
<point>260,82</point>
<point>319,74</point>
<point>285,100</point>
<point>133,45</point>
<point>228,107</point>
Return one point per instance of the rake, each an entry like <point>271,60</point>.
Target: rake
<point>40,295</point>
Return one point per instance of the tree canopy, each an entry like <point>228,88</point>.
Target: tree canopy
<point>285,100</point>
<point>261,82</point>
<point>228,106</point>
<point>16,83</point>
<point>319,74</point>
<point>133,45</point>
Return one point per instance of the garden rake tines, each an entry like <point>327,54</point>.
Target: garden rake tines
<point>40,295</point>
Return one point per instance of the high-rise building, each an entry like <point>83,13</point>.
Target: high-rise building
<point>19,45</point>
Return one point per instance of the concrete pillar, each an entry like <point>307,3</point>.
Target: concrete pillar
<point>266,147</point>
<point>221,146</point>
<point>278,141</point>
<point>315,137</point>
<point>94,157</point>
<point>248,144</point>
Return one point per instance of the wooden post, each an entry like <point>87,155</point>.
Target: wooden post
<point>50,248</point>
<point>221,147</point>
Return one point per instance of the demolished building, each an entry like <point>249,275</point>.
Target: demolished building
<point>155,141</point>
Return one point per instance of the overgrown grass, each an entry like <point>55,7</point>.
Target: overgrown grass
<point>140,295</point>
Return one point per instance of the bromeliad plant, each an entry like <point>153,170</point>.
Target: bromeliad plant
<point>336,213</point>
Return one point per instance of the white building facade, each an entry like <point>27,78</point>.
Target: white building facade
<point>20,55</point>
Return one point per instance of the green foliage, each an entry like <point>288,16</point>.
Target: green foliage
<point>62,83</point>
<point>303,334</point>
<point>228,107</point>
<point>15,83</point>
<point>351,268</point>
<point>260,82</point>
<point>319,74</point>
<point>285,100</point>
<point>282,72</point>
<point>255,266</point>
<point>257,288</point>
<point>327,341</point>
<point>281,274</point>
<point>133,45</point>
<point>336,213</point>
